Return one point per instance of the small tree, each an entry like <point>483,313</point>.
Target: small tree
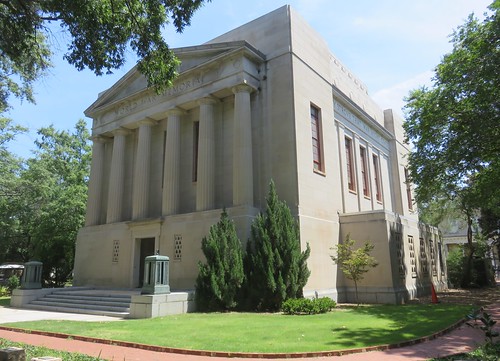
<point>354,263</point>
<point>276,268</point>
<point>220,278</point>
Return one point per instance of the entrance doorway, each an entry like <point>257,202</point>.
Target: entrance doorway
<point>147,249</point>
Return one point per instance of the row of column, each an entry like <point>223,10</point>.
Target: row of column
<point>205,187</point>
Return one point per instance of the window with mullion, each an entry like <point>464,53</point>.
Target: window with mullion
<point>376,175</point>
<point>364,172</point>
<point>316,139</point>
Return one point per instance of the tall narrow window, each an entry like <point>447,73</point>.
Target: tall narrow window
<point>364,171</point>
<point>196,136</point>
<point>351,184</point>
<point>376,176</point>
<point>408,190</point>
<point>316,139</point>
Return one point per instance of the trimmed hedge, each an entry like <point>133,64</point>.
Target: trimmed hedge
<point>306,306</point>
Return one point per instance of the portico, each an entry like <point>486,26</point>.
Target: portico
<point>158,156</point>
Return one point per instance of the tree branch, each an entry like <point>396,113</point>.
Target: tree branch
<point>50,18</point>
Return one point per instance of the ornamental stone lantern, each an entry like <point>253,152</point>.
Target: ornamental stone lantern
<point>156,280</point>
<point>32,275</point>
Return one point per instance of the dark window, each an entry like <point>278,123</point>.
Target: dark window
<point>316,139</point>
<point>376,175</point>
<point>364,171</point>
<point>350,165</point>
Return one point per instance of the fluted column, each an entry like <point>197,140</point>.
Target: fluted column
<point>170,196</point>
<point>205,187</point>
<point>140,200</point>
<point>95,182</point>
<point>242,147</point>
<point>116,178</point>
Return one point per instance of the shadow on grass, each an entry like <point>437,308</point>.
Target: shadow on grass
<point>409,322</point>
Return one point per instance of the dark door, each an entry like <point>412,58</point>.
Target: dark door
<point>147,249</point>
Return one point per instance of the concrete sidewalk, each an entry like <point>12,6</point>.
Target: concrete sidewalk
<point>462,339</point>
<point>9,315</point>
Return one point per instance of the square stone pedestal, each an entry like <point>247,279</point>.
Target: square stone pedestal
<point>12,354</point>
<point>151,306</point>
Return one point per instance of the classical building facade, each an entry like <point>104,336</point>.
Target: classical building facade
<point>264,101</point>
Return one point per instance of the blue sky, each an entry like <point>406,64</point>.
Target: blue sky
<point>391,45</point>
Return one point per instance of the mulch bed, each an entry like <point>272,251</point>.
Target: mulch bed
<point>475,296</point>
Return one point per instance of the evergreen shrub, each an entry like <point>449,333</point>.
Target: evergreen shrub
<point>272,270</point>
<point>275,267</point>
<point>220,279</point>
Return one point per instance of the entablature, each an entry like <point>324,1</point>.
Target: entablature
<point>351,117</point>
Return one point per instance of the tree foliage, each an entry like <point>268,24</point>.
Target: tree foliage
<point>62,162</point>
<point>100,32</point>
<point>46,203</point>
<point>489,222</point>
<point>11,247</point>
<point>455,125</point>
<point>10,165</point>
<point>354,263</point>
<point>276,268</point>
<point>221,277</point>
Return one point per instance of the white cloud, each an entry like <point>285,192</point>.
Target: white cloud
<point>392,97</point>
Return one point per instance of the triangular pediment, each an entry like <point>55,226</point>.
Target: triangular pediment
<point>192,58</point>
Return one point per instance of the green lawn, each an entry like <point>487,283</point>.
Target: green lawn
<point>253,332</point>
<point>36,351</point>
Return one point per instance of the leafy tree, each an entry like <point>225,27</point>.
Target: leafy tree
<point>354,263</point>
<point>455,266</point>
<point>56,179</point>
<point>9,164</point>
<point>100,32</point>
<point>489,222</point>
<point>455,125</point>
<point>11,245</point>
<point>46,203</point>
<point>221,277</point>
<point>8,131</point>
<point>275,266</point>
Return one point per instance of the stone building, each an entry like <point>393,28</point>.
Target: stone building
<point>267,100</point>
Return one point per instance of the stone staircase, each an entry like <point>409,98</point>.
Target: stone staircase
<point>114,303</point>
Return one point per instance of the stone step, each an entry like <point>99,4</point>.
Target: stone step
<point>94,302</point>
<point>88,298</point>
<point>83,303</point>
<point>54,308</point>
